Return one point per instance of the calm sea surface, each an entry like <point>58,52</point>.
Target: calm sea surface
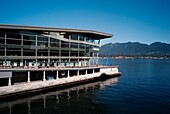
<point>143,88</point>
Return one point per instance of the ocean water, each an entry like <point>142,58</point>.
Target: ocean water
<point>143,88</point>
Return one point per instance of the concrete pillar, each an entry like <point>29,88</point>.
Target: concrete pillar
<point>44,76</point>
<point>93,70</point>
<point>28,78</point>
<point>77,72</point>
<point>86,71</point>
<point>9,81</point>
<point>57,75</point>
<point>68,74</point>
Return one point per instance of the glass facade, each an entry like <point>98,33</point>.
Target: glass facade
<point>26,48</point>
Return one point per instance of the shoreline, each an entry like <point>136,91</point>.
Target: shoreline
<point>136,57</point>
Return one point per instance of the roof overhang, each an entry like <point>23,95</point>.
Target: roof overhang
<point>96,34</point>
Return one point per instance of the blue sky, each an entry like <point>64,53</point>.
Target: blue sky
<point>143,21</point>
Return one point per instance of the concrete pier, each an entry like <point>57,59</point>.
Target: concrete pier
<point>45,83</point>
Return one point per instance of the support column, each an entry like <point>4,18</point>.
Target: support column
<point>44,76</point>
<point>57,75</point>
<point>68,74</point>
<point>28,78</point>
<point>93,70</point>
<point>9,81</point>
<point>86,71</point>
<point>77,72</point>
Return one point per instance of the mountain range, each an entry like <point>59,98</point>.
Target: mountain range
<point>135,49</point>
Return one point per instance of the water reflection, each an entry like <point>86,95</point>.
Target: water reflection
<point>28,105</point>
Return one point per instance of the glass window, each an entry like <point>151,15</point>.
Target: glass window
<point>2,34</point>
<point>74,36</point>
<point>81,37</point>
<point>64,44</point>
<point>43,39</point>
<point>29,40</point>
<point>54,42</point>
<point>27,37</point>
<point>66,36</point>
<point>13,35</point>
<point>81,46</point>
<point>74,45</point>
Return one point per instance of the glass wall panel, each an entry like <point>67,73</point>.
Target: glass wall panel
<point>42,39</point>
<point>64,44</point>
<point>66,36</point>
<point>2,51</point>
<point>42,53</point>
<point>74,45</point>
<point>74,53</point>
<point>29,52</point>
<point>2,37</point>
<point>2,34</point>
<point>87,50</point>
<point>91,40</point>
<point>81,37</point>
<point>96,41</point>
<point>12,38</point>
<point>13,51</point>
<point>82,46</point>
<point>64,53</point>
<point>54,42</point>
<point>81,54</point>
<point>54,53</point>
<point>42,44</point>
<point>87,39</point>
<point>74,36</point>
<point>29,40</point>
<point>2,40</point>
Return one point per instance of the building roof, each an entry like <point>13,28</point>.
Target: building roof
<point>96,34</point>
